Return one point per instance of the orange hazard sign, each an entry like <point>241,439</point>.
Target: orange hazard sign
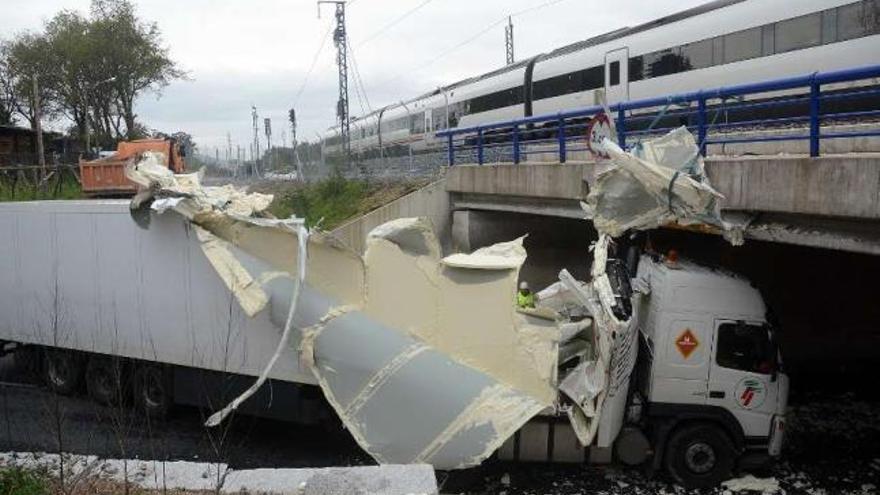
<point>687,342</point>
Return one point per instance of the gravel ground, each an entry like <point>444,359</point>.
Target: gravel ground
<point>833,446</point>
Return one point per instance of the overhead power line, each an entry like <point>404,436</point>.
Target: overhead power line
<point>305,81</point>
<point>358,82</point>
<point>474,37</point>
<point>393,23</point>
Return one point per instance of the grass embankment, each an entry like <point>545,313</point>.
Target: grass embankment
<point>66,188</point>
<point>22,481</point>
<point>16,481</point>
<point>333,201</point>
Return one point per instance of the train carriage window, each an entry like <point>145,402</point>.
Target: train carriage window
<point>498,99</point>
<point>439,118</point>
<point>742,45</point>
<point>696,55</point>
<point>417,124</point>
<point>801,32</point>
<point>592,78</point>
<point>768,45</point>
<point>663,62</point>
<point>636,65</point>
<point>614,73</point>
<point>829,26</point>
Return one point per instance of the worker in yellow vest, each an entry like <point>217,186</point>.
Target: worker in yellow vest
<point>524,297</point>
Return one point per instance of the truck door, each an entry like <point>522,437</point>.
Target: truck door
<point>617,75</point>
<point>681,366</point>
<point>741,376</point>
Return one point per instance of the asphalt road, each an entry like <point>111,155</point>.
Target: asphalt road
<point>33,419</point>
<point>833,445</point>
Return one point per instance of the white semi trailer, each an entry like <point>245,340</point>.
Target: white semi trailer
<point>113,305</point>
<point>106,299</point>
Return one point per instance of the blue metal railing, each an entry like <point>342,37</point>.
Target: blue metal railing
<point>722,109</point>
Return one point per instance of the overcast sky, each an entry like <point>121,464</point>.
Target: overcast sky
<point>244,52</point>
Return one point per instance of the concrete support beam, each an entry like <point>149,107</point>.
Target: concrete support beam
<point>835,186</point>
<point>535,180</point>
<point>843,186</point>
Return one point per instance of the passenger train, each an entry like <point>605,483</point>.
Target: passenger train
<point>721,43</point>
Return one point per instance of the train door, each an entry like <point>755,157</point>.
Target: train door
<point>617,75</point>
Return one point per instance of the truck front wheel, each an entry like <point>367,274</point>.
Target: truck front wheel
<point>699,456</point>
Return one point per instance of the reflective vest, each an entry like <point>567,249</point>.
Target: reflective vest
<point>525,300</point>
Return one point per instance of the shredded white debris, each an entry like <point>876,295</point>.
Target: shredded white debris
<point>219,478</point>
<point>767,486</point>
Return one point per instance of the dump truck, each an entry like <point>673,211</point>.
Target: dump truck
<point>104,303</point>
<point>105,177</point>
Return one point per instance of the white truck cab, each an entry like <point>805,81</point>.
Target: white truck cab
<point>707,393</point>
<point>708,370</point>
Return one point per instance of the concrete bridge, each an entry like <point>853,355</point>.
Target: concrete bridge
<point>831,201</point>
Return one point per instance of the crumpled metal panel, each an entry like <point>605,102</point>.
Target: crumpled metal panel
<point>660,181</point>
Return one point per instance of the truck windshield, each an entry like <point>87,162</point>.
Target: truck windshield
<point>747,347</point>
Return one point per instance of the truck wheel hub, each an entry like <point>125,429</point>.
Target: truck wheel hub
<point>153,394</point>
<point>59,372</point>
<point>700,457</point>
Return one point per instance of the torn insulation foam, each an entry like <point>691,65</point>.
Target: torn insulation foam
<point>424,358</point>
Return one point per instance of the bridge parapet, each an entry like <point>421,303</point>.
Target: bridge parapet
<point>845,186</point>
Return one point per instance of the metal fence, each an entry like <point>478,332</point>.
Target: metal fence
<point>805,108</point>
<point>29,182</point>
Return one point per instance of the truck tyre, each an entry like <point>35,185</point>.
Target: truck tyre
<point>152,390</point>
<point>104,380</point>
<point>62,371</point>
<point>699,456</point>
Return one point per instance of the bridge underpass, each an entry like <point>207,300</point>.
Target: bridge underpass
<point>812,243</point>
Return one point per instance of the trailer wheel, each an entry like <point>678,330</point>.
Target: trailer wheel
<point>699,456</point>
<point>62,371</point>
<point>152,390</point>
<point>104,379</point>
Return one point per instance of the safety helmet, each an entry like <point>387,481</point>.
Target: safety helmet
<point>523,285</point>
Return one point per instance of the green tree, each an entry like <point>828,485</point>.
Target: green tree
<point>91,70</point>
<point>69,49</point>
<point>24,59</point>
<point>132,51</point>
<point>7,94</point>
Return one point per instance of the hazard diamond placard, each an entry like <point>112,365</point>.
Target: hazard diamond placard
<point>687,343</point>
